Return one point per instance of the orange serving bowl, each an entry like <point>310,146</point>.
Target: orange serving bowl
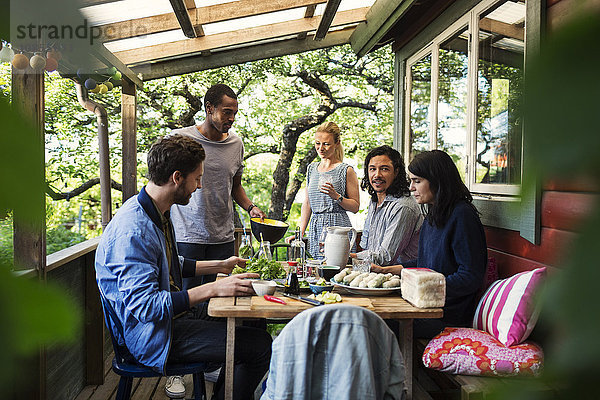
<point>272,230</point>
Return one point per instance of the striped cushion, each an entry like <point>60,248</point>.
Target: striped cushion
<point>508,310</point>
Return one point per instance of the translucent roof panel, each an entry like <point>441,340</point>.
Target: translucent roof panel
<point>125,10</point>
<point>510,13</point>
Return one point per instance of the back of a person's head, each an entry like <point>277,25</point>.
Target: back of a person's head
<point>334,130</point>
<point>400,185</point>
<point>214,94</point>
<point>444,182</point>
<point>173,153</point>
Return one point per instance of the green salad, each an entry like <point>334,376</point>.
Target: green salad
<point>267,269</point>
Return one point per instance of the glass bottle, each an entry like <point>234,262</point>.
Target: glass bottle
<point>264,251</point>
<point>298,252</point>
<point>246,250</point>
<point>292,286</point>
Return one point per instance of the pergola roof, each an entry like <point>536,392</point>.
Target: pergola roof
<point>156,38</point>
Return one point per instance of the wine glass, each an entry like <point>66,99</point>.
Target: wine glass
<point>322,237</point>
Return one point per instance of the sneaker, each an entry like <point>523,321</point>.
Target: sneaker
<point>175,387</point>
<point>212,376</point>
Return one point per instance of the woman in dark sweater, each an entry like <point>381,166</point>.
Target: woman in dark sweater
<point>452,239</point>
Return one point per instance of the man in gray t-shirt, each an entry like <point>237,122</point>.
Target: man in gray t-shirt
<point>204,228</point>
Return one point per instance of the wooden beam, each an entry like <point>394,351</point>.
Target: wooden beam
<point>129,129</point>
<point>29,238</point>
<point>94,325</point>
<point>199,16</point>
<point>308,13</point>
<point>330,10</point>
<point>249,35</point>
<point>502,28</point>
<point>183,18</point>
<point>252,53</point>
<point>108,58</point>
<point>89,3</point>
<point>381,17</point>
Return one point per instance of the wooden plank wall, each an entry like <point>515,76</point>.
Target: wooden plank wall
<point>564,204</point>
<point>65,364</point>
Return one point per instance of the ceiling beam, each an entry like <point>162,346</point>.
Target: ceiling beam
<point>248,35</point>
<point>109,59</point>
<point>381,18</point>
<point>493,26</point>
<point>89,3</point>
<point>183,17</point>
<point>326,19</point>
<point>199,16</point>
<point>308,13</point>
<point>238,56</point>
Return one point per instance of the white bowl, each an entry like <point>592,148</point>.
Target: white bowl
<point>264,287</point>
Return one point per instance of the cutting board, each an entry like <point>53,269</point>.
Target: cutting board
<point>260,302</point>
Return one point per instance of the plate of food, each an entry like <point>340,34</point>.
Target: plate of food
<point>367,283</point>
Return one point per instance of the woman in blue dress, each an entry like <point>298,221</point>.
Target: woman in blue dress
<point>331,189</point>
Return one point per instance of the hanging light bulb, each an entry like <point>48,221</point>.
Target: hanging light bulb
<point>20,61</point>
<point>90,84</point>
<point>51,64</point>
<point>6,54</point>
<point>37,62</point>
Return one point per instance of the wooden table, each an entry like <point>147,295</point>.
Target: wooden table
<point>236,309</point>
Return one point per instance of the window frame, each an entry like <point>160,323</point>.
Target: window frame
<point>519,208</point>
<point>468,22</point>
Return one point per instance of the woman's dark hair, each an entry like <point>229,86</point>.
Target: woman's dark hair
<point>444,182</point>
<point>214,94</point>
<point>173,153</point>
<point>400,185</point>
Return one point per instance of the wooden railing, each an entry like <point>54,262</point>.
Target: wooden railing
<point>69,368</point>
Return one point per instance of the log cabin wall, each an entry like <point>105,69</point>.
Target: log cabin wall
<point>564,204</point>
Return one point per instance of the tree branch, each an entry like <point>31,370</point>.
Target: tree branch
<point>54,195</point>
<point>299,178</point>
<point>274,149</point>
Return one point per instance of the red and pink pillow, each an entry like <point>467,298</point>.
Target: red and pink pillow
<point>468,351</point>
<point>508,309</point>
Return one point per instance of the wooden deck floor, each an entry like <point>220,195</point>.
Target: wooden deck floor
<point>142,389</point>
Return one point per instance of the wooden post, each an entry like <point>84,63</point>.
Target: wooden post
<point>29,239</point>
<point>94,326</point>
<point>129,128</point>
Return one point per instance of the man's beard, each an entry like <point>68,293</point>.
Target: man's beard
<point>181,197</point>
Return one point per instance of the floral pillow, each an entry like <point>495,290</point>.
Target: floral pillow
<point>467,351</point>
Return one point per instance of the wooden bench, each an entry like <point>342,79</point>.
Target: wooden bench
<point>430,384</point>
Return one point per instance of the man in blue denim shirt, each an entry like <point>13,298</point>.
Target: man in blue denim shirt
<point>139,273</point>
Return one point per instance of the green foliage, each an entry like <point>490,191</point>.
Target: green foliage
<point>60,238</point>
<point>33,314</point>
<point>6,241</point>
<point>562,140</point>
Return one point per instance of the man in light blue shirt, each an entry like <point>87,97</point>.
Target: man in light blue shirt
<point>139,274</point>
<point>391,231</point>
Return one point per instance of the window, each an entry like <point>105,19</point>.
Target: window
<point>463,90</point>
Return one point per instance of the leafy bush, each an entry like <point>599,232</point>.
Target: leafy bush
<point>60,238</point>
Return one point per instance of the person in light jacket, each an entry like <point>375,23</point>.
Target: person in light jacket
<point>139,274</point>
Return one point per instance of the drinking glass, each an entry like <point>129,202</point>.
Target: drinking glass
<point>322,237</point>
<point>361,265</point>
<point>265,250</point>
<point>323,180</point>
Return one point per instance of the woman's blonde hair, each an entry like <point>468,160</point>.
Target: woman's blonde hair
<point>333,130</point>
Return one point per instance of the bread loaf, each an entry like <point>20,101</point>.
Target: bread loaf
<point>423,287</point>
